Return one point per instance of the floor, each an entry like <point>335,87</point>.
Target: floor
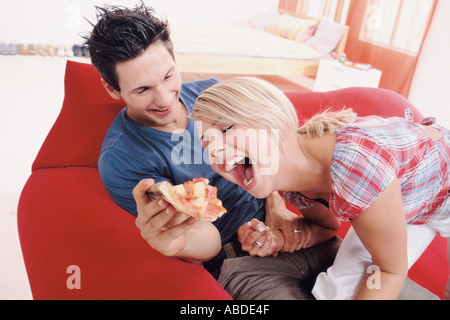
<point>32,91</point>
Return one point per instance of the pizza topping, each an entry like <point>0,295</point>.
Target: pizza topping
<point>200,203</point>
<point>199,190</point>
<point>195,197</point>
<point>179,189</point>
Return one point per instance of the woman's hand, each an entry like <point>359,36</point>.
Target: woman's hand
<point>258,240</point>
<point>294,228</point>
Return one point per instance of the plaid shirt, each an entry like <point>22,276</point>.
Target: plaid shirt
<point>371,152</point>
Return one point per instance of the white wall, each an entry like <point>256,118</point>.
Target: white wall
<point>62,21</point>
<point>430,89</point>
<point>48,21</point>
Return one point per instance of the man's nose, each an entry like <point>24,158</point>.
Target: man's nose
<point>163,97</point>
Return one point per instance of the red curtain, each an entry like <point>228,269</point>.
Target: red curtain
<point>290,5</point>
<point>397,66</point>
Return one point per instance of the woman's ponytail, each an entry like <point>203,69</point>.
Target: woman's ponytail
<point>327,121</point>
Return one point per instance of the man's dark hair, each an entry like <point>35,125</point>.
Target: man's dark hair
<point>122,34</point>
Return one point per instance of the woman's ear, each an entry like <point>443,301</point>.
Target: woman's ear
<point>112,92</point>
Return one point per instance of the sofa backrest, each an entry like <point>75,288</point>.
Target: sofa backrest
<point>364,101</point>
<point>87,112</point>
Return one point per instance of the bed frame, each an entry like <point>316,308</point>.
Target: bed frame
<point>197,63</point>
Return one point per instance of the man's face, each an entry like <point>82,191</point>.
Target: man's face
<point>150,85</point>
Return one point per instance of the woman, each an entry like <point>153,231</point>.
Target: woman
<point>380,174</point>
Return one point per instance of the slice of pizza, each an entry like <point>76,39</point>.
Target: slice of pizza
<point>194,197</point>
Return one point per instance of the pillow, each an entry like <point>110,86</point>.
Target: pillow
<point>292,28</point>
<point>87,112</point>
<point>327,36</point>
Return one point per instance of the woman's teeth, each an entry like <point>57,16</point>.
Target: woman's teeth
<point>233,162</point>
<point>240,160</point>
<point>247,182</point>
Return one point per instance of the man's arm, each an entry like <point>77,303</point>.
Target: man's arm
<point>173,233</point>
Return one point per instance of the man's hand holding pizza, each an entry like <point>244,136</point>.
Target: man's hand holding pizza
<point>171,232</point>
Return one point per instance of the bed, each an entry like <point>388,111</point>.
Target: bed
<point>258,50</point>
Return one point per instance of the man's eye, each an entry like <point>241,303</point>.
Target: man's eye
<point>142,91</point>
<point>167,76</point>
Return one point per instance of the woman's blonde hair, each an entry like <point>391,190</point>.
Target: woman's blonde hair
<point>255,103</point>
<point>327,121</point>
<point>245,101</point>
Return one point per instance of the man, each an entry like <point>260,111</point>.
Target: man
<point>132,51</point>
<point>152,139</point>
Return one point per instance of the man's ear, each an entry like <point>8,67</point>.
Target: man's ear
<point>112,92</point>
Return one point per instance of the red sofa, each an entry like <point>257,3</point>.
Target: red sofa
<point>66,217</point>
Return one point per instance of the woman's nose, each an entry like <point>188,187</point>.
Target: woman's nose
<point>217,152</point>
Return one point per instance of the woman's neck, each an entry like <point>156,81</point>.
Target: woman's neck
<point>310,166</point>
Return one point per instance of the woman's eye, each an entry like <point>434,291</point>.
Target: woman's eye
<point>227,129</point>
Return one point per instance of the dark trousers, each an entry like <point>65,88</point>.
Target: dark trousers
<point>290,276</point>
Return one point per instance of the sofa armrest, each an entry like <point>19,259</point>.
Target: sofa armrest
<point>66,217</point>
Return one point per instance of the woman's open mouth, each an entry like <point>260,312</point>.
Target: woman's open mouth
<point>241,168</point>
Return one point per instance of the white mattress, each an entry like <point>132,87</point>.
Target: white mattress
<point>240,40</point>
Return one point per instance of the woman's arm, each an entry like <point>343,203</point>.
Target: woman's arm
<point>289,231</point>
<point>322,223</point>
<point>382,230</point>
<point>279,218</point>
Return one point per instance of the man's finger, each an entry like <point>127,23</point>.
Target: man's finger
<point>140,191</point>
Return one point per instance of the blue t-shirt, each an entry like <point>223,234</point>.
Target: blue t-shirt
<point>132,152</point>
